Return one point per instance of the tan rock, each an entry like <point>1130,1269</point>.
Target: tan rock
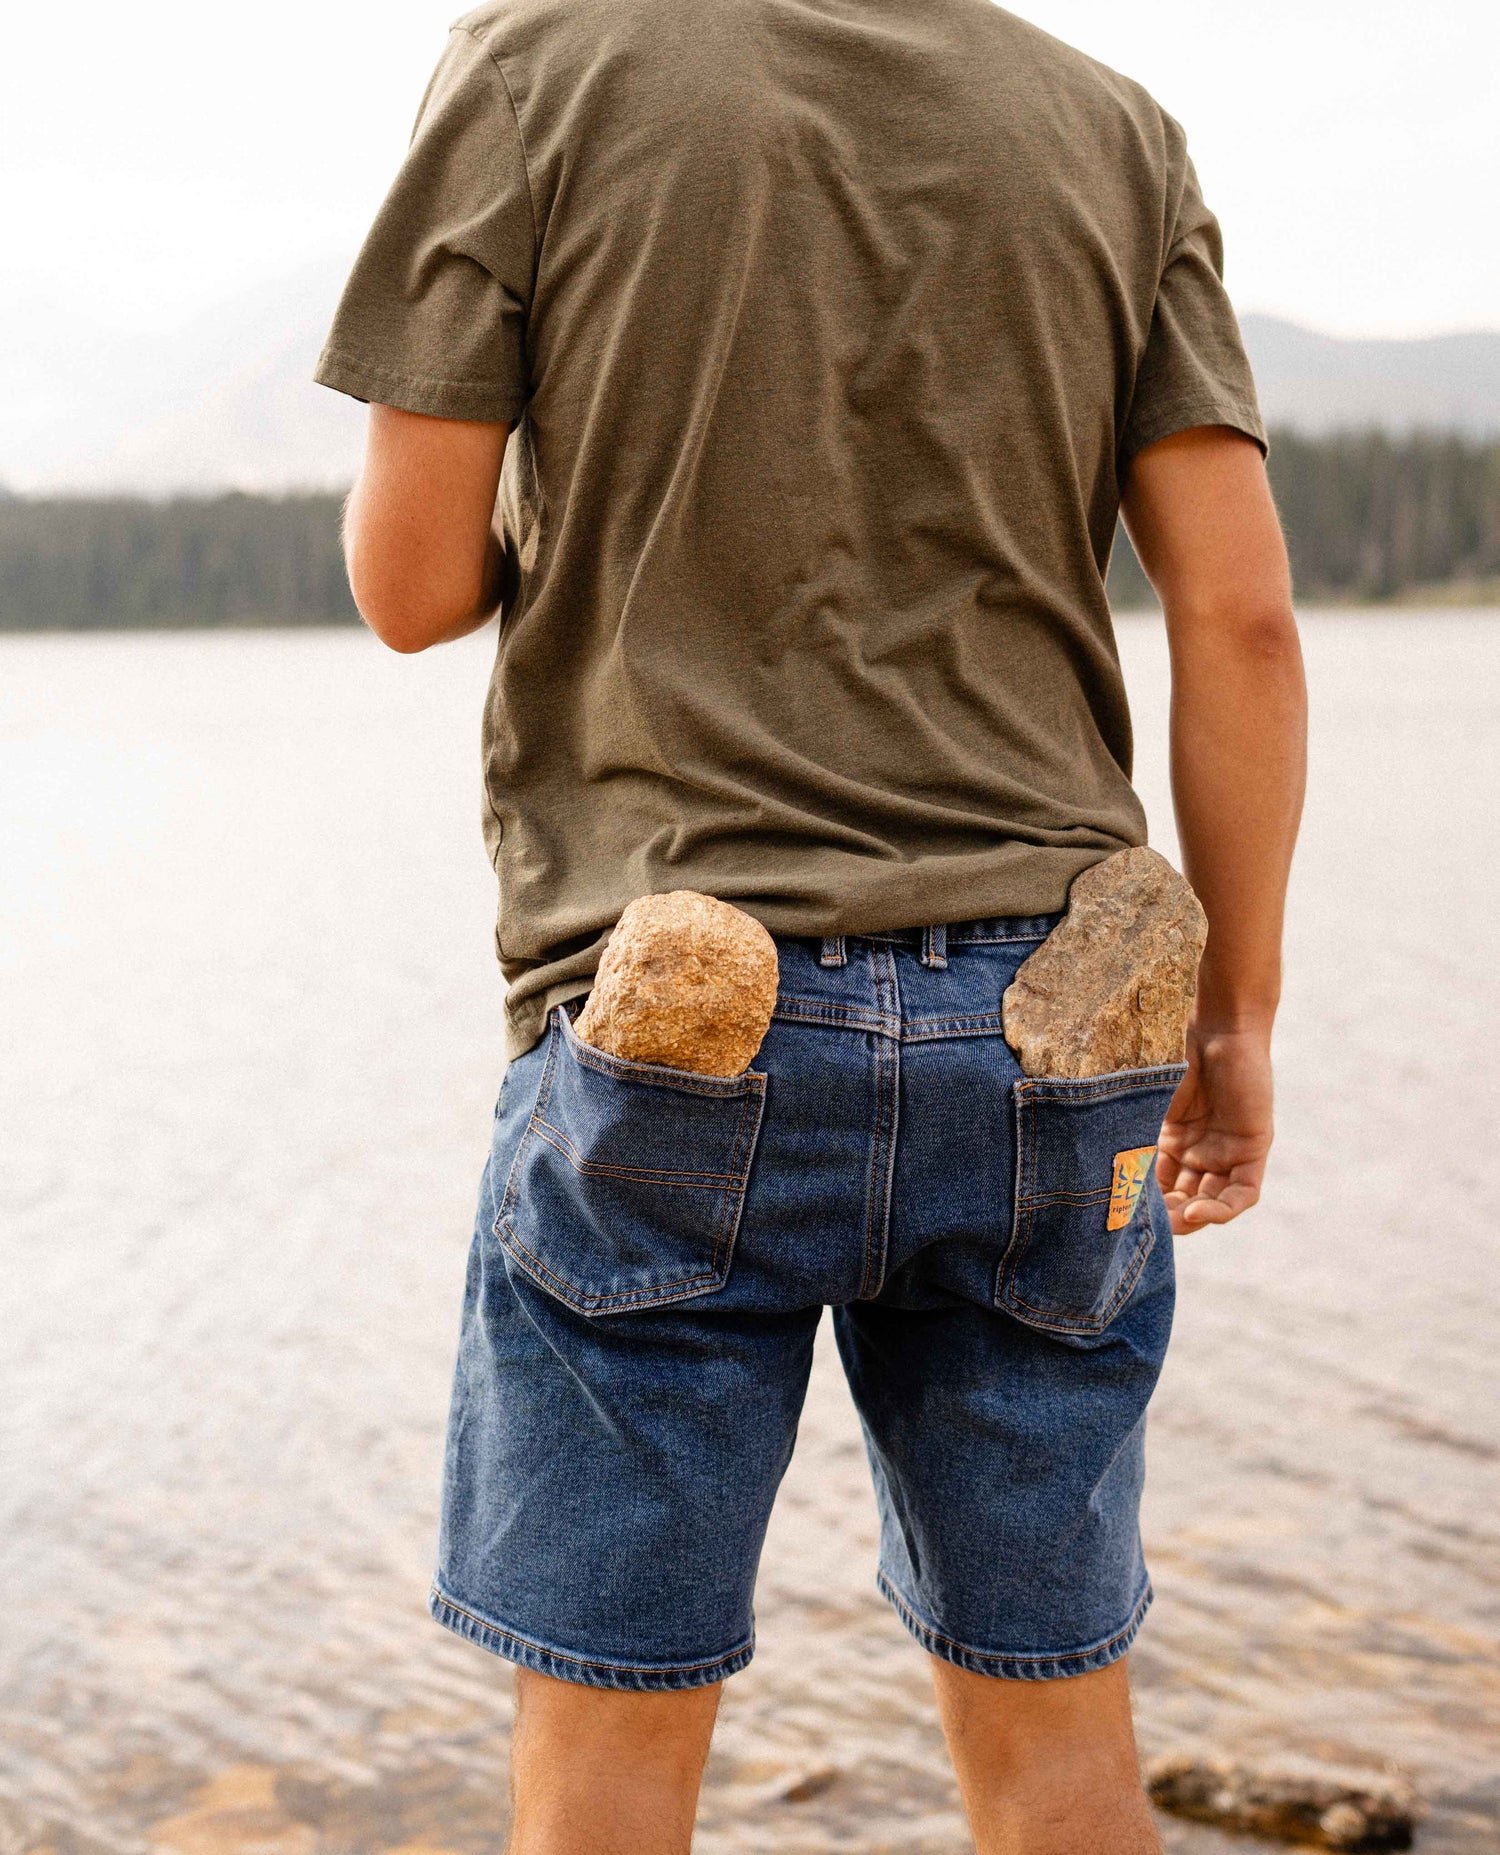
<point>685,980</point>
<point>1112,985</point>
<point>1313,1808</point>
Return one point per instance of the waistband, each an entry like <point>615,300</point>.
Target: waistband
<point>933,941</point>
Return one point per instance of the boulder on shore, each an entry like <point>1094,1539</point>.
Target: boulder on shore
<point>1316,1808</point>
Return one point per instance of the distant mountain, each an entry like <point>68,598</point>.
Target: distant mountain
<point>1324,383</point>
<point>228,401</point>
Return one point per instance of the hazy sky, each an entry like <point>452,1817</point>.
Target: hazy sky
<point>158,156</point>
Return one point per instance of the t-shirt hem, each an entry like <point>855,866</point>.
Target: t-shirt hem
<point>480,401</point>
<point>527,1025</point>
<point>1181,415</point>
<point>1033,880</point>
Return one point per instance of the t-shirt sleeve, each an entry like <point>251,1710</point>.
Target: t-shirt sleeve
<point>433,316</point>
<point>1193,370</point>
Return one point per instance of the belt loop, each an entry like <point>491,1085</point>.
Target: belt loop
<point>935,945</point>
<point>833,950</point>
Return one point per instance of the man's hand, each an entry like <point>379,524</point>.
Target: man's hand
<point>1211,1158</point>
<point>424,562</point>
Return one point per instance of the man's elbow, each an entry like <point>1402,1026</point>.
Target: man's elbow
<point>402,631</point>
<point>1260,627</point>
<point>1266,631</point>
<point>406,618</point>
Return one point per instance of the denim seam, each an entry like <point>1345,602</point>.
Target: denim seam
<point>991,1019</point>
<point>543,1093</point>
<point>885,1108</point>
<point>734,1198</point>
<point>795,1009</point>
<point>1064,1089</point>
<point>730,1195</point>
<point>950,1034</point>
<point>928,1635</point>
<point>661,1075</point>
<point>1081,1199</point>
<point>593,1304</point>
<point>825,1011</point>
<point>1053,1322</point>
<point>703,1181</point>
<point>995,940</point>
<point>910,938</point>
<point>439,1598</point>
<point>1020,1233</point>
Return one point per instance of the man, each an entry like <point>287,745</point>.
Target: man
<point>821,343</point>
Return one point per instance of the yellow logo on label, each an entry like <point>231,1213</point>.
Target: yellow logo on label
<point>1131,1171</point>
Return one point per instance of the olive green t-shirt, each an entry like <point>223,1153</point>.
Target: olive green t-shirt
<point>828,329</point>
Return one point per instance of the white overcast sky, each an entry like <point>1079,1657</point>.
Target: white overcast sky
<point>158,156</point>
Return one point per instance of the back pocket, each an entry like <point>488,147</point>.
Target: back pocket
<point>1085,1180</point>
<point>627,1187</point>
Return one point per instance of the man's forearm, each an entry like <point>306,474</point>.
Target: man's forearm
<point>1239,752</point>
<point>1199,509</point>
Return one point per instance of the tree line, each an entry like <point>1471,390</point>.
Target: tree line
<point>1371,517</point>
<point>1368,517</point>
<point>75,563</point>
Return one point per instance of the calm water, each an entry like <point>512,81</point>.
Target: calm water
<point>249,1043</point>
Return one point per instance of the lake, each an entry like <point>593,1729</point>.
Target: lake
<point>249,1045</point>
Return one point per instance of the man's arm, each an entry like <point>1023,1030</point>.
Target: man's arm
<point>1199,511</point>
<point>424,561</point>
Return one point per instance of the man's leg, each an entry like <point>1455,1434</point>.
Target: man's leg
<point>595,1771</point>
<point>1046,1767</point>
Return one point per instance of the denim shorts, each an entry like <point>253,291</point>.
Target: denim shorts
<point>652,1256</point>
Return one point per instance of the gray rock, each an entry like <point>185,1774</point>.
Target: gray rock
<point>1313,1808</point>
<point>1112,985</point>
<point>686,980</point>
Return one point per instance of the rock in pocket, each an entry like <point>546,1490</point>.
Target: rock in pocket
<point>627,1187</point>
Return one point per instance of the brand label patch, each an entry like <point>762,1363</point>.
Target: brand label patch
<point>1131,1171</point>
